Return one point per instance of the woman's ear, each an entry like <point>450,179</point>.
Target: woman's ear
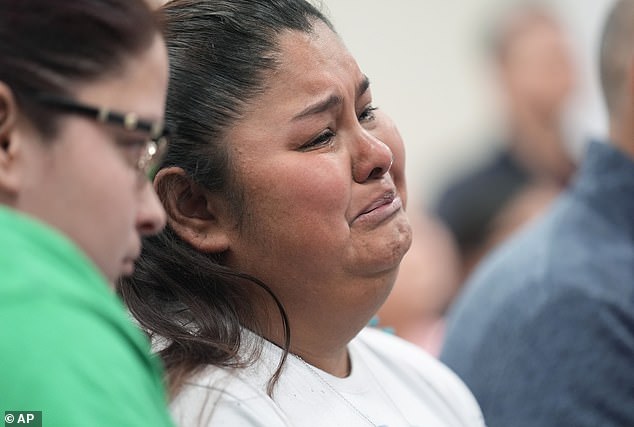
<point>197,216</point>
<point>8,144</point>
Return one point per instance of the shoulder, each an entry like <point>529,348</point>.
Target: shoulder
<point>557,256</point>
<point>553,361</point>
<point>393,359</point>
<point>66,360</point>
<point>54,313</point>
<point>531,279</point>
<point>524,356</point>
<point>226,396</point>
<point>64,329</point>
<point>400,355</point>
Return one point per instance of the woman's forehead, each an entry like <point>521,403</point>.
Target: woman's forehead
<point>315,61</point>
<point>321,46</point>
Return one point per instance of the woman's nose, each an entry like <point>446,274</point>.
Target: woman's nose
<point>371,158</point>
<point>151,215</point>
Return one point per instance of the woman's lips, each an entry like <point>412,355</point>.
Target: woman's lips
<point>381,209</point>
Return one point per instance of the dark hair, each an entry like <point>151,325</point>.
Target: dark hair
<point>617,47</point>
<point>221,53</point>
<point>50,46</point>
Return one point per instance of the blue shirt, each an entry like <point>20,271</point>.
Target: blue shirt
<point>543,334</point>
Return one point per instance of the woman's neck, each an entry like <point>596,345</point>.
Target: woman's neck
<point>318,336</point>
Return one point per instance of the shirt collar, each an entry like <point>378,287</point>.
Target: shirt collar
<point>607,175</point>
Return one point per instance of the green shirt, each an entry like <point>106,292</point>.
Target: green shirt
<point>67,346</point>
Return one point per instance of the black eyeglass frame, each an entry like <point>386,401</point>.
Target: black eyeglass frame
<point>158,132</point>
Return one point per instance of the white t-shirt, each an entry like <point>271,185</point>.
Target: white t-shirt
<point>392,383</point>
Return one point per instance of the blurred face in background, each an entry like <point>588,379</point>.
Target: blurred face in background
<point>536,66</point>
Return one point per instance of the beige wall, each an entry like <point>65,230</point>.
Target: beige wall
<point>426,68</point>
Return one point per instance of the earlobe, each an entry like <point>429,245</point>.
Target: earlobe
<point>8,114</point>
<point>198,217</point>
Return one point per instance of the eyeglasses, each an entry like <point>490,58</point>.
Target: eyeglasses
<point>155,147</point>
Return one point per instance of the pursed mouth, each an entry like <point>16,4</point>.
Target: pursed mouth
<point>380,209</point>
<point>385,200</point>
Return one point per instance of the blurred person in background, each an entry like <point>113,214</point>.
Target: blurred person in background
<point>82,96</point>
<point>533,66</point>
<point>544,332</point>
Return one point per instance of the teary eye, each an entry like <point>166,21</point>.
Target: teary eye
<point>367,114</point>
<point>322,139</point>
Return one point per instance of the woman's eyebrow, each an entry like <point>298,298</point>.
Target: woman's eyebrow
<point>364,85</point>
<point>320,106</point>
<point>331,101</point>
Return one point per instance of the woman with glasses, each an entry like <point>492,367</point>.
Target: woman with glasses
<point>283,188</point>
<point>82,93</point>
